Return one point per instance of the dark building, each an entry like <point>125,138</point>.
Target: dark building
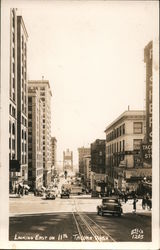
<point>98,166</point>
<point>98,156</point>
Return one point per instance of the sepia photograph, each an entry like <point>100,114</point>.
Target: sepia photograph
<point>79,124</point>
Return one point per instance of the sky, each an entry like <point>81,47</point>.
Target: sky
<point>92,53</point>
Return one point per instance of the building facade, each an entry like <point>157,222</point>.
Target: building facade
<point>87,171</point>
<point>54,151</point>
<point>18,102</point>
<point>44,91</point>
<point>82,152</point>
<point>147,144</point>
<point>35,139</point>
<point>54,156</point>
<point>67,160</point>
<point>98,165</point>
<point>124,136</point>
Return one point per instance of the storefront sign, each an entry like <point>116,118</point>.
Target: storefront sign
<point>147,152</point>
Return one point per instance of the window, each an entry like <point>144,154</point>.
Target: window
<point>22,42</point>
<point>30,139</point>
<point>10,109</point>
<point>120,131</point>
<point>137,144</point>
<point>137,127</point>
<point>29,124</point>
<point>123,147</point>
<point>13,129</point>
<point>30,116</point>
<point>29,108</point>
<point>9,143</point>
<point>13,37</point>
<point>23,172</point>
<point>13,96</point>
<point>13,144</point>
<point>13,79</point>
<point>29,99</point>
<point>13,52</point>
<point>13,111</point>
<point>123,129</point>
<point>9,126</point>
<point>117,146</point>
<point>13,67</point>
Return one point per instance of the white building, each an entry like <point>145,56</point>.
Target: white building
<point>124,137</point>
<point>18,102</point>
<point>44,91</point>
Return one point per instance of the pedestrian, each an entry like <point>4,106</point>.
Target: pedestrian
<point>125,197</point>
<point>144,202</point>
<point>15,190</point>
<point>134,204</point>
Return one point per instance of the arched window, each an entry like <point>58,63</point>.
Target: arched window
<point>13,129</point>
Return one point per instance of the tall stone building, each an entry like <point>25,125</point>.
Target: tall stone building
<point>44,91</point>
<point>35,139</point>
<point>18,102</point>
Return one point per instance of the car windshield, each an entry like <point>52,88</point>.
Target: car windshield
<point>109,201</point>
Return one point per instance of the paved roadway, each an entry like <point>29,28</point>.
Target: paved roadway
<point>74,219</point>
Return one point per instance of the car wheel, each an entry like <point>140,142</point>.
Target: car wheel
<point>119,215</point>
<point>102,213</point>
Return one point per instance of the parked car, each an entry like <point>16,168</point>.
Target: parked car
<point>50,196</point>
<point>65,194</point>
<point>109,206</point>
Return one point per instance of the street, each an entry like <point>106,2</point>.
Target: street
<point>74,219</point>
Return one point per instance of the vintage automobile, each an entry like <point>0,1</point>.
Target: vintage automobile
<point>50,195</point>
<point>110,205</point>
<point>65,194</point>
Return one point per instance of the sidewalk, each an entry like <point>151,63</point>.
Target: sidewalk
<point>128,208</point>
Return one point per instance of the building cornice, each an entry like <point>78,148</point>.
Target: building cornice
<point>130,114</point>
<point>41,82</point>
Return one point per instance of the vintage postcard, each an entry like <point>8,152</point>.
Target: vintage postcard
<point>79,124</point>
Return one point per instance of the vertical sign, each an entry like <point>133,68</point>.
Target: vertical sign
<point>148,60</point>
<point>147,146</point>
